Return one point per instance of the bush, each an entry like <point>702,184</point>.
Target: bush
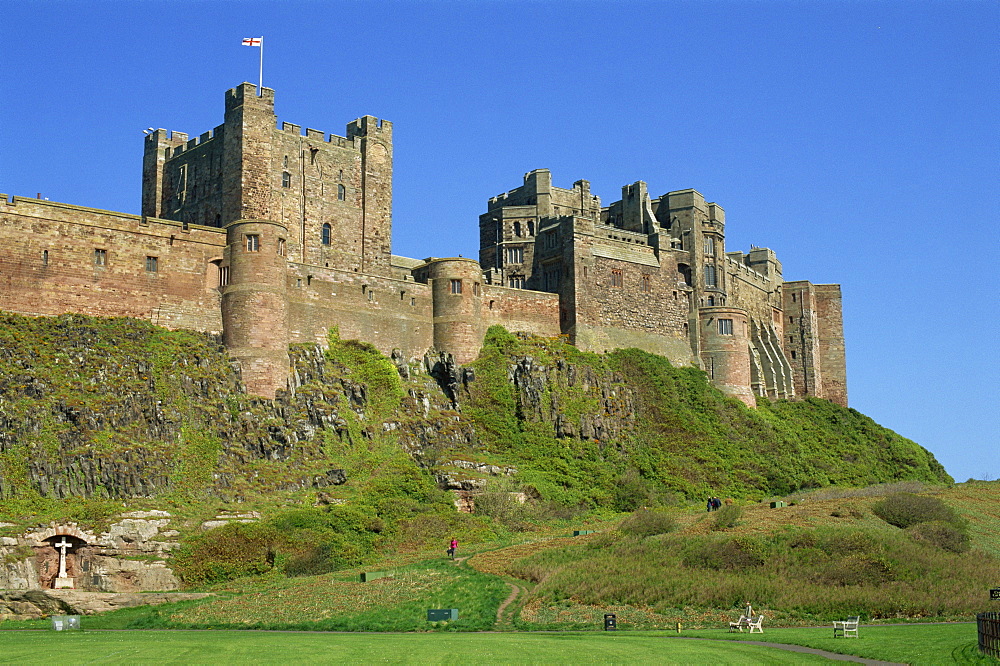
<point>645,523</point>
<point>227,552</point>
<point>730,554</point>
<point>728,517</point>
<point>941,534</point>
<point>906,509</point>
<point>857,570</point>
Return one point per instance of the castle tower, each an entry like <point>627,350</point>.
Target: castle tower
<point>255,303</point>
<point>375,137</point>
<point>457,295</point>
<point>725,351</point>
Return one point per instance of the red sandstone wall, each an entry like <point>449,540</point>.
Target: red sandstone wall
<point>532,312</point>
<point>387,312</point>
<point>181,293</point>
<point>830,322</point>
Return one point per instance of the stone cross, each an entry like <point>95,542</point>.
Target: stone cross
<point>62,545</point>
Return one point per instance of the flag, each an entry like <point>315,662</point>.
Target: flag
<point>252,41</point>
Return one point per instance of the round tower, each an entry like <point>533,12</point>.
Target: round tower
<point>725,350</point>
<point>456,287</point>
<point>255,303</point>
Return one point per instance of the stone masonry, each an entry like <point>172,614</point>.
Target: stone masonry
<point>272,236</point>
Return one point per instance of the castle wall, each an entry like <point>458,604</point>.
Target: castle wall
<point>832,355</point>
<point>532,312</point>
<point>389,313</point>
<point>49,265</point>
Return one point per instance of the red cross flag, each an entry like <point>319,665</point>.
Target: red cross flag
<point>253,41</point>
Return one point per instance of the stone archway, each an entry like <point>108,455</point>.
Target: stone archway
<point>59,557</point>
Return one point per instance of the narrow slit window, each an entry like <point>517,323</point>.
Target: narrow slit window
<point>617,279</point>
<point>647,284</point>
<point>286,179</point>
<point>281,247</point>
<point>326,234</point>
<point>341,193</point>
<point>100,257</point>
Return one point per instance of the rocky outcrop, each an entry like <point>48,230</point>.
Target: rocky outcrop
<point>34,604</point>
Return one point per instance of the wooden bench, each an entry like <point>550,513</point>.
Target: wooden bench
<point>755,624</point>
<point>751,623</point>
<point>845,628</point>
<point>739,624</point>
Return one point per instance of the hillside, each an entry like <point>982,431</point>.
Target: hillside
<point>117,408</point>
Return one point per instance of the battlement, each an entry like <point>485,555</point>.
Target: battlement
<point>318,135</point>
<point>181,142</point>
<point>248,91</point>
<point>369,126</point>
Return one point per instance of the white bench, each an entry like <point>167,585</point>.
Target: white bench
<point>752,623</point>
<point>846,628</point>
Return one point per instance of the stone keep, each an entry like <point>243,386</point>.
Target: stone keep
<point>269,235</point>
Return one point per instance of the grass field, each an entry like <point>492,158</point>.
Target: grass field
<point>913,644</point>
<point>200,647</point>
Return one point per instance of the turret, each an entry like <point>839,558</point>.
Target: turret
<point>457,293</point>
<point>725,350</point>
<point>255,303</point>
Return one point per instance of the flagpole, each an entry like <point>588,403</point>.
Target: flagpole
<point>261,93</point>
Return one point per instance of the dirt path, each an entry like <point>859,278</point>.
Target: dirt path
<point>515,590</point>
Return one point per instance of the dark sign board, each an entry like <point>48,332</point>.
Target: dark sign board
<point>995,593</point>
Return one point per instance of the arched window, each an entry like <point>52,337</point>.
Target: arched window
<point>341,193</point>
<point>326,234</point>
<point>286,179</point>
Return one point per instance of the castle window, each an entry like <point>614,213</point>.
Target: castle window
<point>253,243</point>
<point>371,296</point>
<point>647,284</point>
<point>793,298</point>
<point>791,320</point>
<point>456,286</point>
<point>341,193</point>
<point>223,276</point>
<point>281,247</point>
<point>725,327</point>
<point>514,255</point>
<point>285,162</point>
<point>491,305</point>
<point>340,176</point>
<point>151,264</point>
<point>100,257</point>
<point>413,302</point>
<point>550,240</point>
<point>286,179</point>
<point>617,279</point>
<point>515,282</point>
<point>475,288</point>
<point>326,234</point>
<point>531,228</point>
<point>711,279</point>
<point>709,246</point>
<point>45,257</point>
<point>793,354</point>
<point>551,279</point>
<point>711,301</point>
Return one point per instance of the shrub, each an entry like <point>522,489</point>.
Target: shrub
<point>728,517</point>
<point>645,523</point>
<point>906,509</point>
<point>728,554</point>
<point>857,570</point>
<point>227,552</point>
<point>941,534</point>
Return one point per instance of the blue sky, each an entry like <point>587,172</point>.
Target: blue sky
<point>859,140</point>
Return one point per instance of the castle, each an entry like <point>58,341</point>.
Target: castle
<point>272,236</point>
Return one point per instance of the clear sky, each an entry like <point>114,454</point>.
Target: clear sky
<point>859,140</point>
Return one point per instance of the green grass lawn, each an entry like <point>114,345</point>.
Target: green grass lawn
<point>202,647</point>
<point>910,643</point>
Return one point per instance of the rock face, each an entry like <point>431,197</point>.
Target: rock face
<point>34,604</point>
<point>130,557</point>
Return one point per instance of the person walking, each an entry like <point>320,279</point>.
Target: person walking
<point>452,548</point>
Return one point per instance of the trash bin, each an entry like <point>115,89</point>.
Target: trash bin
<point>610,622</point>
